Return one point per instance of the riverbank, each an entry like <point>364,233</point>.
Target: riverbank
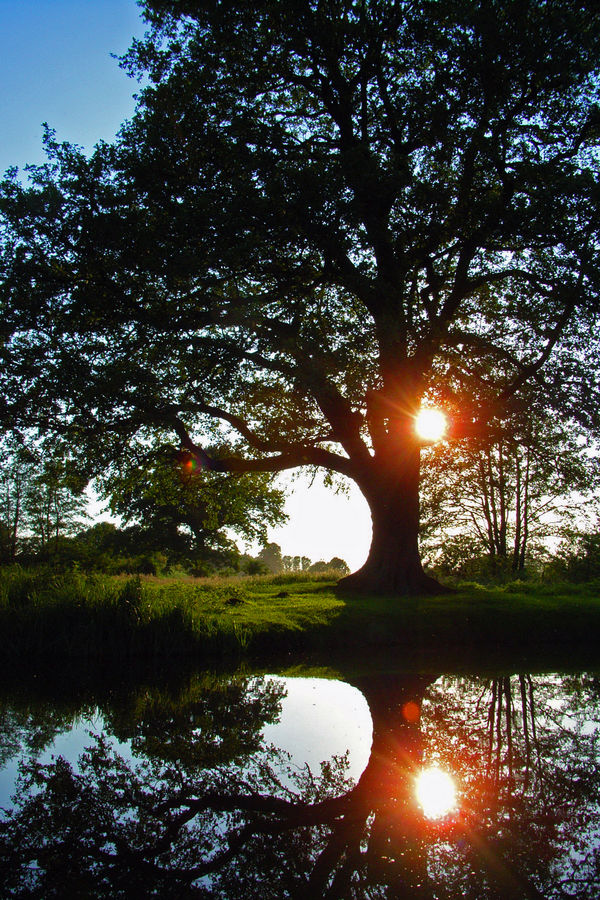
<point>46,617</point>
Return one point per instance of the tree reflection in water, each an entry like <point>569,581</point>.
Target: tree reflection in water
<point>204,813</point>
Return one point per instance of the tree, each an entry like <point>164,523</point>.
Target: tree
<point>270,555</point>
<point>321,214</point>
<point>295,563</point>
<point>578,558</point>
<point>41,499</point>
<point>506,493</point>
<point>16,466</point>
<point>334,565</point>
<point>168,492</point>
<point>55,505</point>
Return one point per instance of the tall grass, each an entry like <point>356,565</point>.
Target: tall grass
<point>90,617</point>
<point>44,616</point>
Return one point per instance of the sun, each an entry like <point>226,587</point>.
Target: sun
<point>436,793</point>
<point>430,424</point>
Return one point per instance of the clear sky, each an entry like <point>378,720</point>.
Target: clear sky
<point>56,67</point>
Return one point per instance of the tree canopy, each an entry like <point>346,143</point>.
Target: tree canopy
<point>321,214</point>
<point>169,491</point>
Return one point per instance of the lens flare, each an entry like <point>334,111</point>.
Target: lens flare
<point>411,712</point>
<point>436,793</point>
<point>190,465</point>
<point>431,424</point>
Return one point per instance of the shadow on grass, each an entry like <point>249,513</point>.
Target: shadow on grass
<point>91,620</point>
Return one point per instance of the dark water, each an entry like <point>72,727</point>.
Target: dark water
<point>291,784</point>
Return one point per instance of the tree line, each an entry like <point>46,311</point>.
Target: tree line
<point>512,502</point>
<point>173,519</point>
<point>504,508</point>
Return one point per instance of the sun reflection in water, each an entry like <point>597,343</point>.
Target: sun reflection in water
<point>436,793</point>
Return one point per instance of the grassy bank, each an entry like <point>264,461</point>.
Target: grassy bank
<point>87,618</point>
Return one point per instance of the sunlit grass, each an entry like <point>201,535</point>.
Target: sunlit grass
<point>101,617</point>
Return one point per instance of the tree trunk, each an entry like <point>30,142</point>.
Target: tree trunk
<point>525,510</point>
<point>393,566</point>
<point>518,515</point>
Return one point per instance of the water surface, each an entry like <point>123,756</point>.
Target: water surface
<point>356,785</point>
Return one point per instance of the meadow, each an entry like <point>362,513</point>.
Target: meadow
<point>47,617</point>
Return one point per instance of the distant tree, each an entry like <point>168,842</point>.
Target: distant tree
<point>322,214</point>
<point>98,546</point>
<point>503,494</point>
<point>295,563</point>
<point>334,565</point>
<point>252,566</point>
<point>270,555</point>
<point>42,499</point>
<point>16,467</point>
<point>55,505</point>
<point>163,491</point>
<point>338,565</point>
<point>578,557</point>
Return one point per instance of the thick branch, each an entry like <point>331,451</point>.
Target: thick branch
<point>296,456</point>
<point>258,443</point>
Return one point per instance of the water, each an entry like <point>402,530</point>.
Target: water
<point>360,784</point>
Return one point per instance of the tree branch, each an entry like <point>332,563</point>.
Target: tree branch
<point>529,371</point>
<point>295,456</point>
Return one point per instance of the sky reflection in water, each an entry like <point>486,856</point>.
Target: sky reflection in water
<point>241,786</point>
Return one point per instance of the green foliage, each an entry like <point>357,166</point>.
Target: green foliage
<point>295,563</point>
<point>335,565</point>
<point>270,556</point>
<point>181,515</point>
<point>578,560</point>
<point>42,500</point>
<point>169,491</point>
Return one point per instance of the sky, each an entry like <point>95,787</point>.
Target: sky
<point>56,67</point>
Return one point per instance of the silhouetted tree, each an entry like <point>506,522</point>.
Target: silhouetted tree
<point>321,214</point>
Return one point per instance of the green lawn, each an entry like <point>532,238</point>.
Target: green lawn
<point>96,617</point>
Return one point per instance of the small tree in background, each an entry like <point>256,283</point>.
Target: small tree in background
<point>42,500</point>
<point>336,565</point>
<point>55,506</point>
<point>578,557</point>
<point>506,495</point>
<point>16,468</point>
<point>197,512</point>
<point>270,556</point>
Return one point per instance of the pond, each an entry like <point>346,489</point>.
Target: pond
<point>302,782</point>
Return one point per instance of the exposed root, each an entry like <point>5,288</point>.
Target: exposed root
<point>369,582</point>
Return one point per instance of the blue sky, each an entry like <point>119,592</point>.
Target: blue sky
<point>56,67</point>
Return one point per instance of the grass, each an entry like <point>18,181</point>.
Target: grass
<point>90,618</point>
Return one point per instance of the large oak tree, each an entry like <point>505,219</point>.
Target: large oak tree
<point>323,213</point>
